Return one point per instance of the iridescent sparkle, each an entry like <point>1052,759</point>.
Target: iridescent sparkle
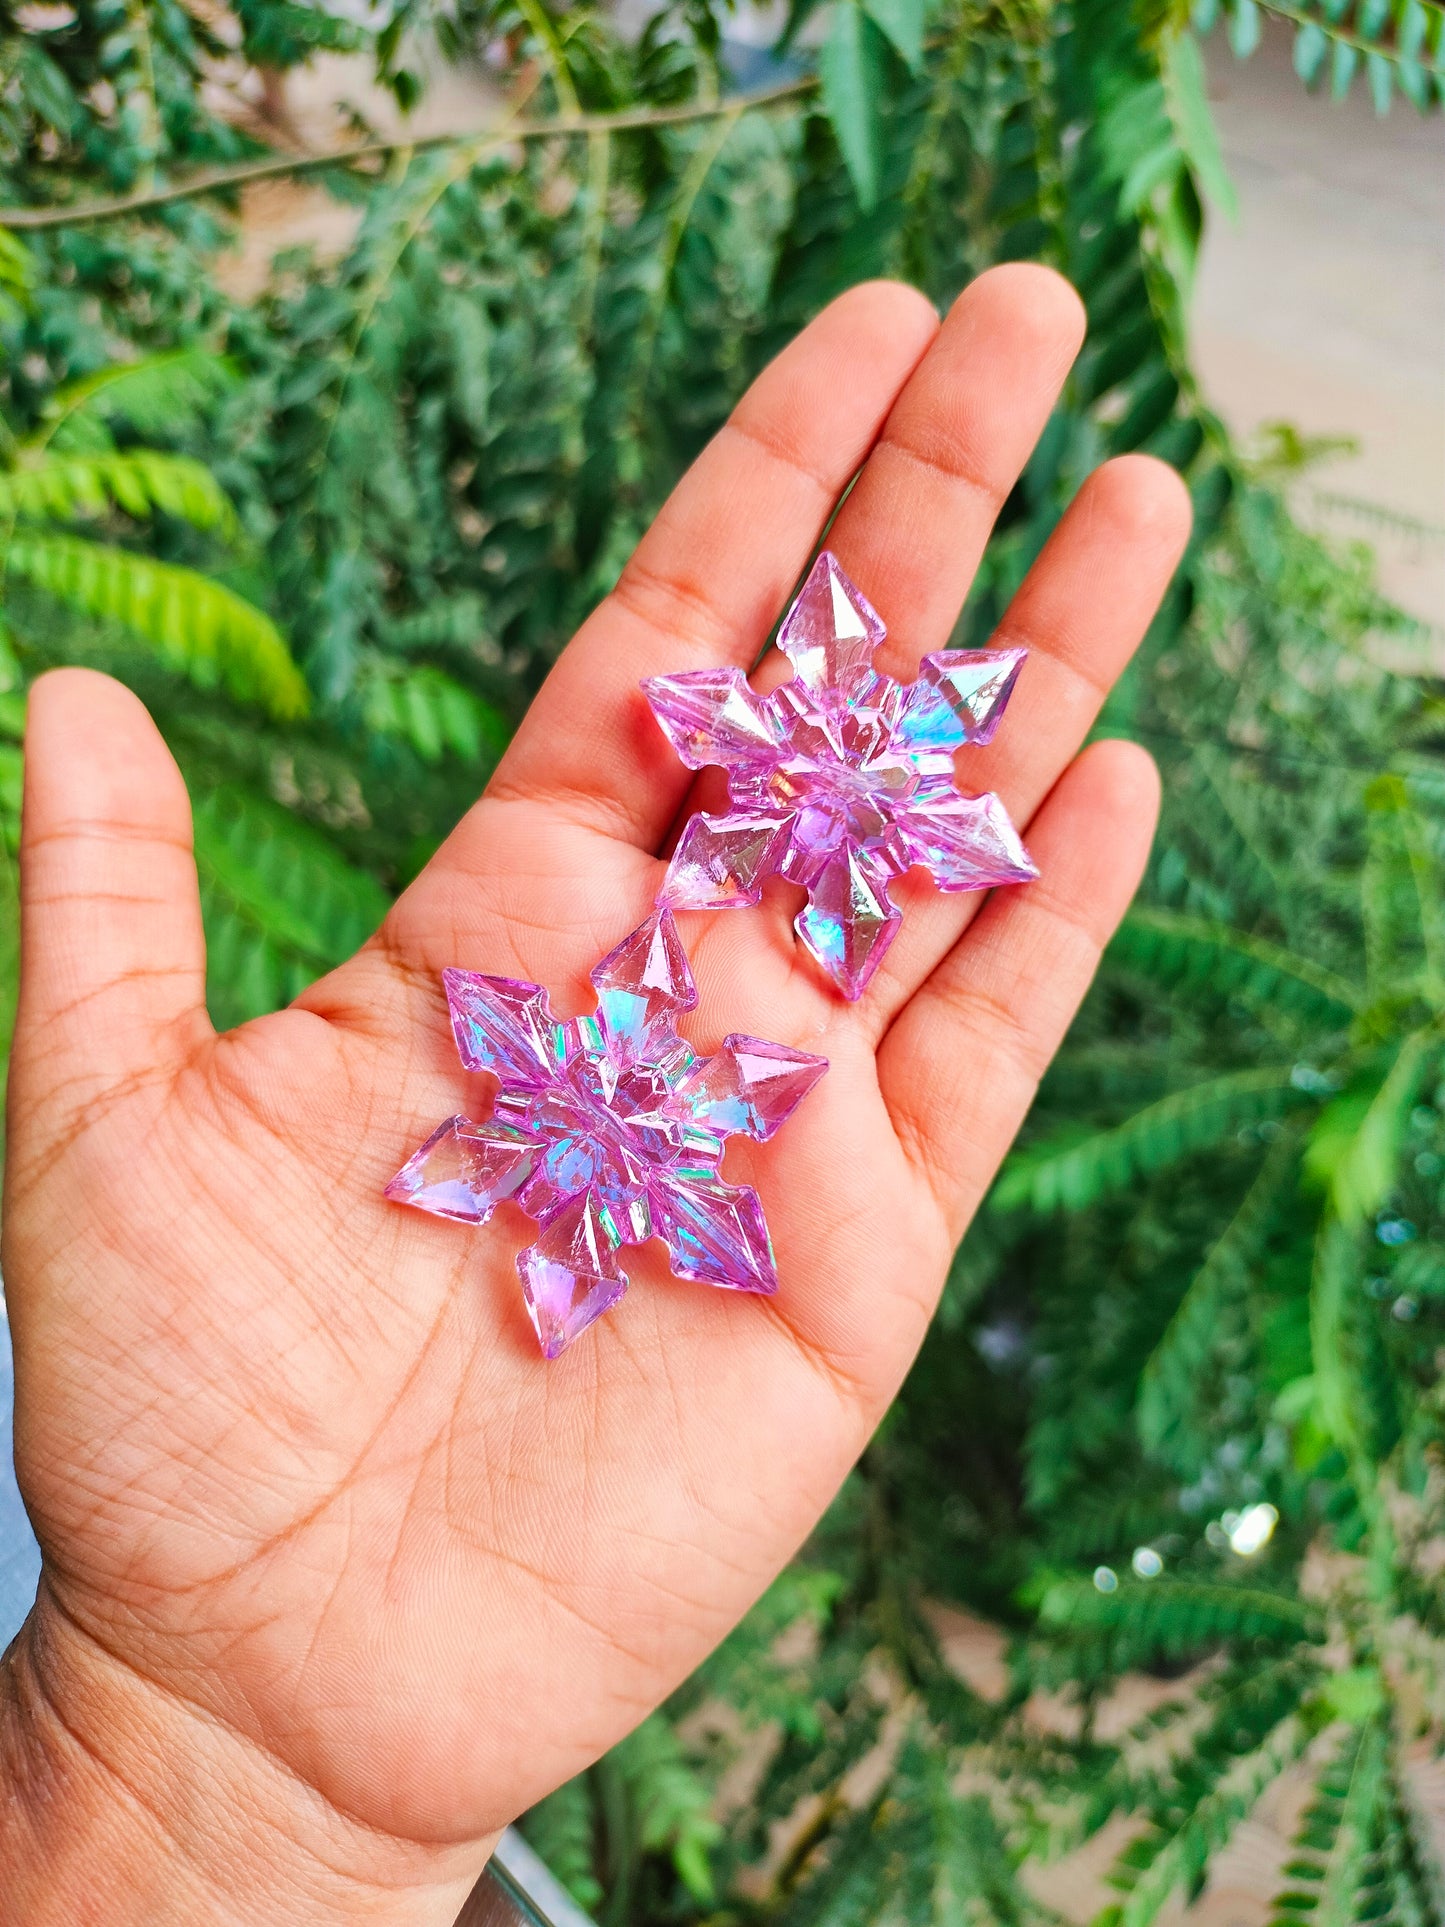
<point>841,779</point>
<point>609,1130</point>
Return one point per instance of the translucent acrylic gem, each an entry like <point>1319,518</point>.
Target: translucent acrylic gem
<point>831,631</point>
<point>841,779</point>
<point>608,1130</point>
<point>645,980</point>
<point>751,1086</point>
<point>716,1234</point>
<point>960,696</point>
<point>464,1170</point>
<point>711,716</point>
<point>967,842</point>
<point>500,1025</point>
<point>570,1275</point>
<point>849,921</point>
<point>721,860</point>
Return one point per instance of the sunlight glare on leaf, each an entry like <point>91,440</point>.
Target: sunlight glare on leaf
<point>1252,1531</point>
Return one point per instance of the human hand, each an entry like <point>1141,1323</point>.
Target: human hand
<point>339,1576</point>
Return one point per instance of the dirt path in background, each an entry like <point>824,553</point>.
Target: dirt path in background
<point>1324,305</point>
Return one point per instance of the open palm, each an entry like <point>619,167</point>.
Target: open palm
<point>311,1505</point>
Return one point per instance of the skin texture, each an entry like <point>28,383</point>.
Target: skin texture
<point>339,1575</point>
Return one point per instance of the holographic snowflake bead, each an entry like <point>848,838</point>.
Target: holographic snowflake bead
<point>609,1130</point>
<point>841,779</point>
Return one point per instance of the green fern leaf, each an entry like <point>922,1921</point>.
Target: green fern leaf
<point>1344,65</point>
<point>953,1859</point>
<point>17,272</point>
<point>451,622</point>
<point>1399,41</point>
<point>1357,1397</point>
<point>141,481</point>
<point>670,1803</point>
<point>1245,28</point>
<point>1184,86</point>
<point>1176,1617</point>
<point>1177,1372</point>
<point>1068,1174</point>
<point>289,880</point>
<point>1335,1834</point>
<point>1311,50</point>
<point>431,710</point>
<point>753,1669</point>
<point>1176,948</point>
<point>851,70</point>
<point>160,395</point>
<point>563,1829</point>
<point>1177,1860</point>
<point>282,904</point>
<point>1354,1147</point>
<point>193,624</point>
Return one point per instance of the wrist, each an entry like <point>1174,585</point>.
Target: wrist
<point>119,1801</point>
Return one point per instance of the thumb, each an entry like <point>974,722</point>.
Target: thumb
<point>112,954</point>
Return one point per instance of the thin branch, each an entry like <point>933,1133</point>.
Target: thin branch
<point>552,127</point>
<point>545,28</point>
<point>1358,41</point>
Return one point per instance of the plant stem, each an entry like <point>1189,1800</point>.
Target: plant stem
<point>1356,40</point>
<point>551,127</point>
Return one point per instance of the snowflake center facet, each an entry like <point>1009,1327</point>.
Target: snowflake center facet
<point>841,775</point>
<point>605,1128</point>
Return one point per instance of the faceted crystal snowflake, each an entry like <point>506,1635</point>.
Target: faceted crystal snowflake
<point>840,779</point>
<point>609,1130</point>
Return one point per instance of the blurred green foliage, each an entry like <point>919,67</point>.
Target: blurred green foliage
<point>1180,1415</point>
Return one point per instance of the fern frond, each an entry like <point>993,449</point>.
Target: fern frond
<point>286,877</point>
<point>952,1855</point>
<point>1162,1863</point>
<point>431,710</point>
<point>1178,949</point>
<point>282,904</point>
<point>1393,43</point>
<point>1408,1874</point>
<point>750,1671</point>
<point>671,1805</point>
<point>17,271</point>
<point>142,481</point>
<point>1357,1396</point>
<point>160,395</point>
<point>451,622</point>
<point>194,625</point>
<point>1177,1371</point>
<point>1336,1832</point>
<point>1379,519</point>
<point>919,1852</point>
<point>1355,1144</point>
<point>1068,1174</point>
<point>1175,1617</point>
<point>12,789</point>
